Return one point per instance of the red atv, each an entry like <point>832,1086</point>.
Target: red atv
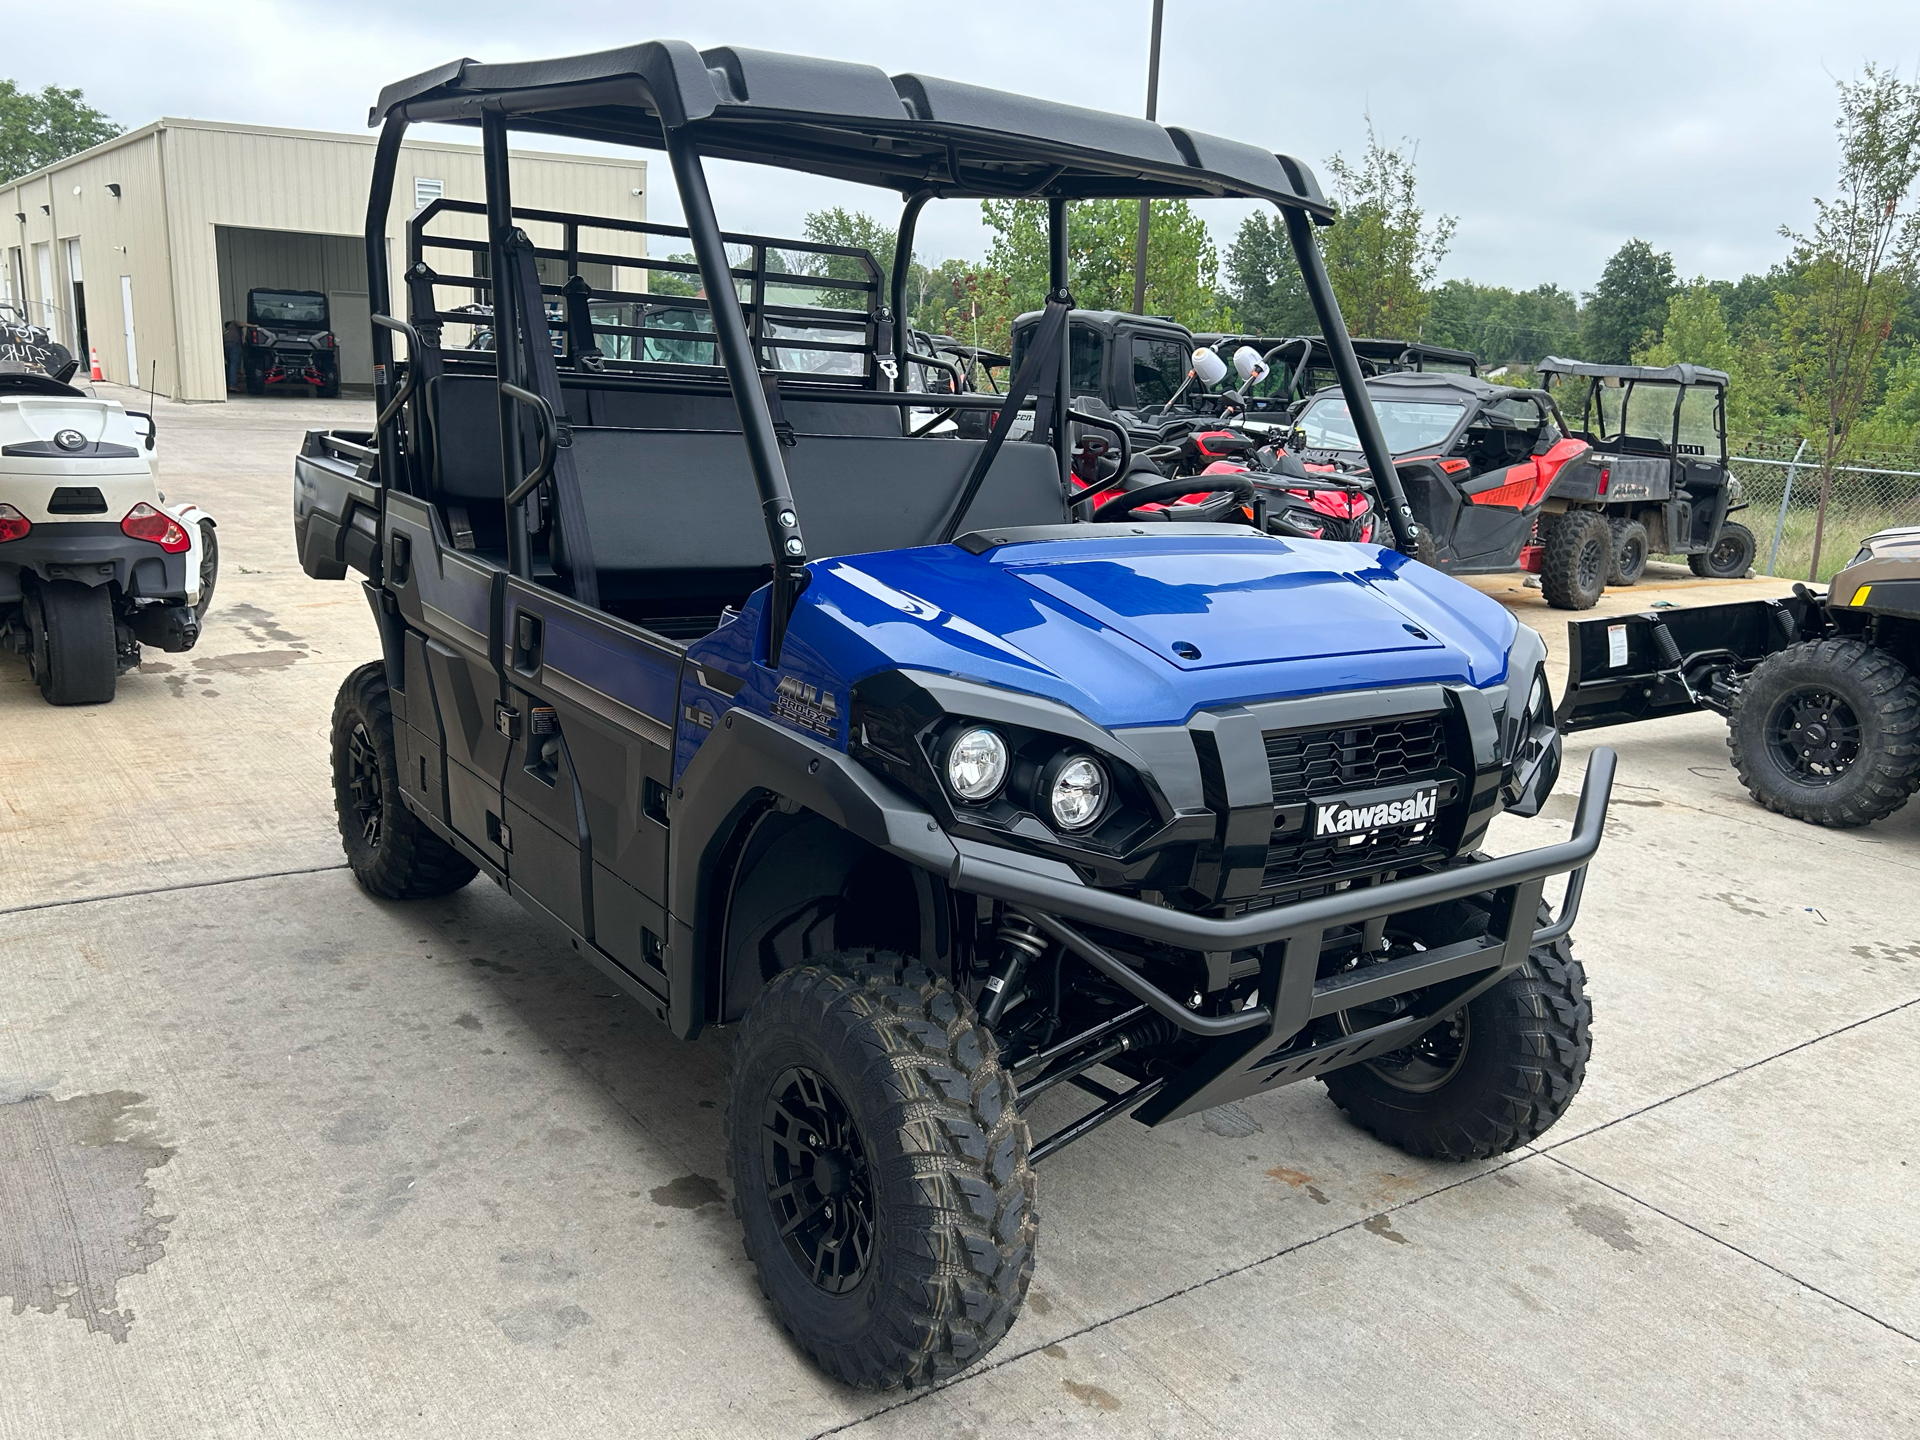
<point>1478,462</point>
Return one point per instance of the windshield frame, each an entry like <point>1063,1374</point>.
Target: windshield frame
<point>314,298</point>
<point>1381,409</point>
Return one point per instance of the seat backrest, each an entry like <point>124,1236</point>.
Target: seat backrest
<point>684,500</point>
<point>465,416</point>
<point>652,410</point>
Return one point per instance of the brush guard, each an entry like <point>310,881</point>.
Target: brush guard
<point>1260,1048</point>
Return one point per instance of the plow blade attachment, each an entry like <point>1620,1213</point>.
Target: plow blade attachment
<point>1623,668</point>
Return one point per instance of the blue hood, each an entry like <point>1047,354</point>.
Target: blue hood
<point>1144,630</point>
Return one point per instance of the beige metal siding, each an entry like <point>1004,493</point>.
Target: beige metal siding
<point>123,236</point>
<point>181,180</point>
<point>317,185</point>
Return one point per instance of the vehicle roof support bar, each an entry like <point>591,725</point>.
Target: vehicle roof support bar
<point>749,396</point>
<point>386,160</point>
<point>506,326</point>
<point>1406,532</point>
<point>897,288</point>
<point>1057,266</point>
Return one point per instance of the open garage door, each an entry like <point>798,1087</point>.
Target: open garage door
<point>333,265</point>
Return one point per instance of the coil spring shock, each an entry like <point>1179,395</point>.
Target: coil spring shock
<point>1021,943</point>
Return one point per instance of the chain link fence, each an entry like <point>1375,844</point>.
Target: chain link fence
<point>1782,481</point>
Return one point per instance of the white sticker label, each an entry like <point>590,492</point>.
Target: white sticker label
<point>1616,646</point>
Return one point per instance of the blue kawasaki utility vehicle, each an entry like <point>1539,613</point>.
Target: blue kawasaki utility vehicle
<point>971,810</point>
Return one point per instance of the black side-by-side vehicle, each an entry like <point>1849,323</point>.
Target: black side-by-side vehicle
<point>970,814</point>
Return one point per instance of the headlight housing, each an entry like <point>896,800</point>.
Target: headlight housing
<point>976,763</point>
<point>1077,793</point>
<point>996,777</point>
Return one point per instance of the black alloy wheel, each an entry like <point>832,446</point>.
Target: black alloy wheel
<point>1429,1062</point>
<point>363,783</point>
<point>1814,735</point>
<point>818,1181</point>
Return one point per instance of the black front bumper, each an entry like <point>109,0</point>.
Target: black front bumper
<point>1257,1049</point>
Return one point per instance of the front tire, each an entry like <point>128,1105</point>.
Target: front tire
<point>1579,552</point>
<point>879,1169</point>
<point>1629,552</point>
<point>1731,556</point>
<point>1494,1075</point>
<point>73,646</point>
<point>1828,731</point>
<point>389,850</point>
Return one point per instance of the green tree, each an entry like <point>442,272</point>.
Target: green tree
<point>1629,305</point>
<point>1502,326</point>
<point>1263,280</point>
<point>1382,254</point>
<point>860,231</point>
<point>1695,333</point>
<point>674,282</point>
<point>1857,266</point>
<point>970,302</point>
<point>1895,423</point>
<point>37,130</point>
<point>1183,265</point>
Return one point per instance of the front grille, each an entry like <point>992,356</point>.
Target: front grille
<point>1306,765</point>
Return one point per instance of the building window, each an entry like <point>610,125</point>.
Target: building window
<point>426,190</point>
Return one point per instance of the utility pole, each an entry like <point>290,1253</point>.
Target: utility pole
<point>1153,105</point>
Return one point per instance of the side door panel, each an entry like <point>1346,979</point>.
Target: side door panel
<point>610,691</point>
<point>450,596</point>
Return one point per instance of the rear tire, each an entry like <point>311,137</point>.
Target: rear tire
<point>1493,1076</point>
<point>74,649</point>
<point>256,378</point>
<point>879,1169</point>
<point>1629,552</point>
<point>390,851</point>
<point>1579,552</point>
<point>1828,731</point>
<point>1731,556</point>
<point>330,386</point>
<point>209,569</point>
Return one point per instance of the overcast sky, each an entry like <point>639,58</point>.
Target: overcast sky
<point>1553,132</point>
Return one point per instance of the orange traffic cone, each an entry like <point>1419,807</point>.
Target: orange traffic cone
<point>93,354</point>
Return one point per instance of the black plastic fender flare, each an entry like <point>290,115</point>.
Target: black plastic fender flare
<point>745,759</point>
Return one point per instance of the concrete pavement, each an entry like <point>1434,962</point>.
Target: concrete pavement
<point>277,1158</point>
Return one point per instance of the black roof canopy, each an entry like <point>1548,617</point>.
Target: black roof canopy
<point>1672,374</point>
<point>911,133</point>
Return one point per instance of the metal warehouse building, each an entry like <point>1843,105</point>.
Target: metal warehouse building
<point>143,247</point>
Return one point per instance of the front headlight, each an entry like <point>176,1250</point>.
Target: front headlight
<point>1078,793</point>
<point>976,764</point>
<point>1539,701</point>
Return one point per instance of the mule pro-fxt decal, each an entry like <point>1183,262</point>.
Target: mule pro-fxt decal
<point>807,707</point>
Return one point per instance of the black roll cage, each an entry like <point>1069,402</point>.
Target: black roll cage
<point>922,137</point>
<point>1682,378</point>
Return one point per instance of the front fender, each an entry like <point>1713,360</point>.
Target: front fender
<point>747,760</point>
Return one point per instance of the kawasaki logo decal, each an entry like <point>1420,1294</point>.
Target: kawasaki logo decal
<point>1342,817</point>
